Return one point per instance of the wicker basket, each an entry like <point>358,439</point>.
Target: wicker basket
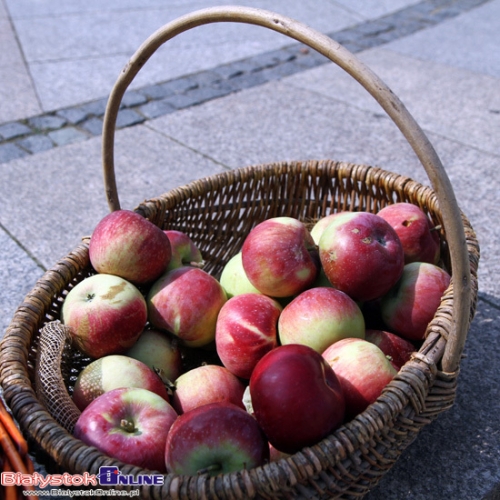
<point>217,213</point>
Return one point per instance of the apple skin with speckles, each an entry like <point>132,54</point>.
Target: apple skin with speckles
<point>130,424</point>
<point>411,304</point>
<point>363,371</point>
<point>247,329</point>
<point>320,316</point>
<point>280,257</point>
<point>361,255</point>
<point>417,233</point>
<point>105,314</point>
<point>126,244</point>
<point>186,302</point>
<point>206,384</point>
<point>215,438</point>
<point>112,372</point>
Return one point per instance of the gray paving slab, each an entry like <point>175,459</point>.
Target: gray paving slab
<point>369,10</point>
<point>77,56</point>
<point>18,272</point>
<point>14,77</point>
<point>469,41</point>
<point>457,103</point>
<point>3,10</point>
<point>61,191</point>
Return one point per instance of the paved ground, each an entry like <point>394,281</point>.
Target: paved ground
<point>226,96</point>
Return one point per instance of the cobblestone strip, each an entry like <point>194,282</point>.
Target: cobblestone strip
<point>43,132</point>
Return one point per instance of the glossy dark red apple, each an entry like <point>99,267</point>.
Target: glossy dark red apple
<point>296,397</point>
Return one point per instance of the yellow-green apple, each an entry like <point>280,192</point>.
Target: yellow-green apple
<point>321,225</point>
<point>296,397</point>
<point>363,371</point>
<point>160,351</point>
<point>411,304</point>
<point>130,424</point>
<point>246,329</point>
<point>128,245</point>
<point>279,257</point>
<point>184,250</point>
<point>320,316</point>
<point>397,349</point>
<point>215,438</point>
<point>112,372</point>
<point>105,314</point>
<point>361,255</point>
<point>417,233</point>
<point>233,278</point>
<point>206,384</point>
<point>186,301</point>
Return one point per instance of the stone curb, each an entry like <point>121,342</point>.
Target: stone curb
<point>81,122</point>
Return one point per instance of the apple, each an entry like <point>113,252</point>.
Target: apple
<point>186,301</point>
<point>246,329</point>
<point>296,397</point>
<point>321,224</point>
<point>233,278</point>
<point>130,424</point>
<point>160,351</point>
<point>397,349</point>
<point>418,235</point>
<point>279,257</point>
<point>206,384</point>
<point>105,314</point>
<point>320,316</point>
<point>411,304</point>
<point>126,244</point>
<point>213,439</point>
<point>361,255</point>
<point>112,372</point>
<point>184,250</point>
<point>363,371</point>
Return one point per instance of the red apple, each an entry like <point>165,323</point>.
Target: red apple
<point>186,301</point>
<point>233,278</point>
<point>279,257</point>
<point>184,250</point>
<point>206,384</point>
<point>397,349</point>
<point>160,351</point>
<point>320,316</point>
<point>296,397</point>
<point>105,314</point>
<point>112,372</point>
<point>412,303</point>
<point>128,245</point>
<point>129,424</point>
<point>246,330</point>
<point>363,371</point>
<point>213,439</point>
<point>418,236</point>
<point>361,255</point>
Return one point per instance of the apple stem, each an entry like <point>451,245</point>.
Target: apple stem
<point>127,425</point>
<point>199,265</point>
<point>210,468</point>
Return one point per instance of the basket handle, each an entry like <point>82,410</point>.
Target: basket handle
<point>377,88</point>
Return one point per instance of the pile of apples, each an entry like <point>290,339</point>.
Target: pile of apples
<point>303,330</point>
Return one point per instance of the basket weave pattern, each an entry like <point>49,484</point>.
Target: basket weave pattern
<point>217,213</point>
